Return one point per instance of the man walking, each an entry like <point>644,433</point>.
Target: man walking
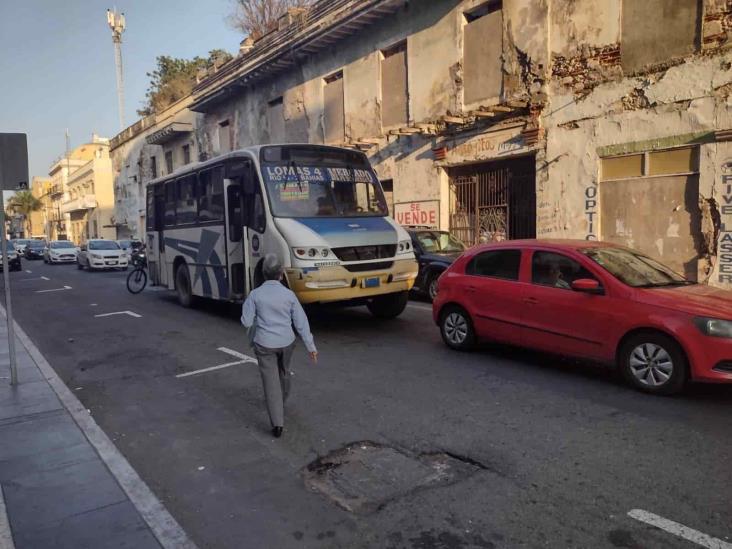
<point>272,310</point>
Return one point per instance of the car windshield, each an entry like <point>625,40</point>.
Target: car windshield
<point>439,242</point>
<point>103,245</point>
<point>11,246</point>
<point>36,244</point>
<point>634,268</point>
<point>124,243</point>
<point>21,241</point>
<point>62,244</point>
<point>320,182</point>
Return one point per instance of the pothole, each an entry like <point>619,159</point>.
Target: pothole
<point>363,476</point>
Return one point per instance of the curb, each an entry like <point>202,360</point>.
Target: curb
<point>6,537</point>
<point>164,527</point>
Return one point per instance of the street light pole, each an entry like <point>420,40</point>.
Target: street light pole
<point>8,302</point>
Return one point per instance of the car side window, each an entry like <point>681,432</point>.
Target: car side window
<point>496,264</point>
<point>556,270</point>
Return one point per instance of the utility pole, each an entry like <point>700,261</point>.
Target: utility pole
<point>116,22</point>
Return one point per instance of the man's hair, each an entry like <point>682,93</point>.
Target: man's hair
<point>272,267</point>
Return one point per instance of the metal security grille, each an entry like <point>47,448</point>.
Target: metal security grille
<point>493,202</point>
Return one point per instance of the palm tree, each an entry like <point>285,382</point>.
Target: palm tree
<point>23,203</point>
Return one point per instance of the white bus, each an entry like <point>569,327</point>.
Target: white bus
<point>321,209</point>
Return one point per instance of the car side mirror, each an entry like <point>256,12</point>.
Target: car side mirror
<point>587,286</point>
<point>82,248</point>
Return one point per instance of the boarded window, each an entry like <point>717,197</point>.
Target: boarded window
<point>153,167</point>
<point>655,31</point>
<point>394,95</point>
<point>224,137</point>
<point>169,161</point>
<point>483,48</point>
<point>276,120</point>
<point>333,109</point>
<point>621,167</point>
<point>673,161</point>
<point>186,154</point>
<point>656,210</point>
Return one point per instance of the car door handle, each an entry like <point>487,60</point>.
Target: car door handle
<point>531,300</point>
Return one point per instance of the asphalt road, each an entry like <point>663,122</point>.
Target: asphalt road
<point>559,452</point>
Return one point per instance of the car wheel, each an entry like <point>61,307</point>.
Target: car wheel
<point>654,363</point>
<point>79,265</point>
<point>389,305</point>
<point>432,285</point>
<point>183,286</point>
<point>456,328</point>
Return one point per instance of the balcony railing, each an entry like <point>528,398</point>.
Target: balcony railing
<point>85,202</point>
<point>56,190</point>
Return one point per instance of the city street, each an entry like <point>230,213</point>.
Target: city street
<point>527,450</point>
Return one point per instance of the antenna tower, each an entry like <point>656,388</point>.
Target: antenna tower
<point>116,22</point>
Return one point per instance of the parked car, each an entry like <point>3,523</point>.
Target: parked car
<point>592,300</point>
<point>435,251</point>
<point>101,254</point>
<point>13,258</point>
<point>128,245</point>
<point>60,251</point>
<point>34,249</point>
<point>20,244</point>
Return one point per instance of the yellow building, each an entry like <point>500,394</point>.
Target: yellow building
<point>40,187</point>
<point>82,194</point>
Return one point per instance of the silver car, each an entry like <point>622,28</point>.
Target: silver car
<point>101,254</point>
<point>60,251</point>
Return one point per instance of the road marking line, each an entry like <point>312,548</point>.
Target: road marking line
<point>679,530</point>
<point>29,272</point>
<point>244,360</point>
<point>135,315</point>
<point>415,306</point>
<point>237,354</point>
<point>33,278</point>
<point>53,290</point>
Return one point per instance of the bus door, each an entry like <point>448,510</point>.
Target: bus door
<point>236,241</point>
<point>155,238</point>
<point>255,222</point>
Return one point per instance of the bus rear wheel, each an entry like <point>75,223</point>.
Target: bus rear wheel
<point>389,305</point>
<point>183,286</point>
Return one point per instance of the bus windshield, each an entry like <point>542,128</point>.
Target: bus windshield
<point>320,182</point>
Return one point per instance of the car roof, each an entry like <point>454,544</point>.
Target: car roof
<point>558,243</point>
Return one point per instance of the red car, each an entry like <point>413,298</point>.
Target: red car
<point>592,300</point>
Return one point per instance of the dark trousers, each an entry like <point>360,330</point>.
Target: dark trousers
<point>274,367</point>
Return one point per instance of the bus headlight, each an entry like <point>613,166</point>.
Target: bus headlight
<point>311,253</point>
<point>404,246</point>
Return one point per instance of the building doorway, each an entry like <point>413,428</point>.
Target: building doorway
<point>493,201</point>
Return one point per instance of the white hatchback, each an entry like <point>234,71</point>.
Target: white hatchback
<point>101,254</point>
<point>60,251</point>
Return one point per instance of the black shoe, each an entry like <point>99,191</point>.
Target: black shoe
<point>277,432</point>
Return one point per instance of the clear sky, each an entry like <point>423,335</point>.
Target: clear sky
<point>57,63</point>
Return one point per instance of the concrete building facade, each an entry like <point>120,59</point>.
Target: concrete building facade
<point>601,119</point>
<point>80,202</point>
<point>40,187</point>
<point>154,146</point>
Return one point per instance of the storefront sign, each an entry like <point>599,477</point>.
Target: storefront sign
<point>426,212</point>
<point>485,146</point>
<point>725,230</point>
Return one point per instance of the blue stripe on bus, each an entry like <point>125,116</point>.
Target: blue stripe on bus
<point>325,225</point>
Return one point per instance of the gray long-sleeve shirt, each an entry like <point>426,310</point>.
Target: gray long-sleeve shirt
<point>276,309</point>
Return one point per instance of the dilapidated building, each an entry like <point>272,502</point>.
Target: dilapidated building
<point>596,119</point>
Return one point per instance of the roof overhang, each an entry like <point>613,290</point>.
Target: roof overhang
<point>169,132</point>
<point>289,49</point>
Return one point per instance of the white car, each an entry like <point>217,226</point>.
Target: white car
<point>60,251</point>
<point>101,254</point>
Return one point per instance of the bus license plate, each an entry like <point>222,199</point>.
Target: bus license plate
<point>371,282</point>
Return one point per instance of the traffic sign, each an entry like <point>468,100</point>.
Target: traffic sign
<point>13,162</point>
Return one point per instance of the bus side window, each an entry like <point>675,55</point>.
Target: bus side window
<point>170,204</point>
<point>254,216</point>
<point>211,195</point>
<point>186,200</point>
<point>150,211</point>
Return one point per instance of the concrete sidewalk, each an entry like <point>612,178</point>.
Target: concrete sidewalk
<point>63,484</point>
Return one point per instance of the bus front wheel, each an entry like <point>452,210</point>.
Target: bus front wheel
<point>183,285</point>
<point>389,305</point>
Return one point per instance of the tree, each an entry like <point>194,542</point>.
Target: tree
<point>174,78</point>
<point>256,18</point>
<point>24,203</point>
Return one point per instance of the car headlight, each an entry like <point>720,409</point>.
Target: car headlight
<point>95,256</point>
<point>714,327</point>
<point>311,253</point>
<point>404,246</point>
